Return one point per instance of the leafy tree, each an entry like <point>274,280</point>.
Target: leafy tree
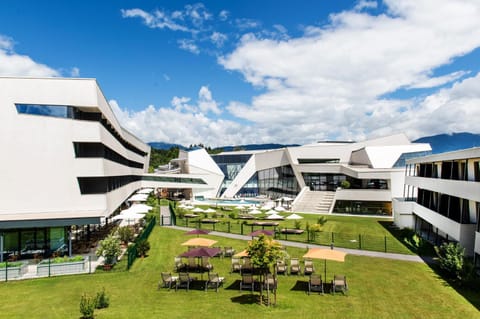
<point>451,258</point>
<point>126,234</point>
<point>263,253</point>
<point>87,306</point>
<point>143,247</point>
<point>110,249</point>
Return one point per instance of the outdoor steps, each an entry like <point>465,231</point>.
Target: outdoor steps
<point>315,202</point>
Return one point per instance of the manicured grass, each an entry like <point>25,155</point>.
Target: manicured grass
<point>379,288</point>
<point>369,233</point>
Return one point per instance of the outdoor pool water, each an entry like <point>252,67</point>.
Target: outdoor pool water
<point>227,202</point>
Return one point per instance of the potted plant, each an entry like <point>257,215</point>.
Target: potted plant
<point>143,247</point>
<point>110,249</point>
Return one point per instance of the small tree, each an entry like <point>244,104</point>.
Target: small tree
<point>263,253</point>
<point>143,247</point>
<point>345,184</point>
<point>87,306</point>
<point>110,249</point>
<point>451,258</point>
<point>102,300</point>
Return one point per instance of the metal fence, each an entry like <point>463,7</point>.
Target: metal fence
<point>380,243</point>
<point>132,250</point>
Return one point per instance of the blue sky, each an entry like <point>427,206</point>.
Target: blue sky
<point>234,72</point>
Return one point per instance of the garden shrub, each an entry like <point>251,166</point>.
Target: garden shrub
<point>102,300</point>
<point>87,306</point>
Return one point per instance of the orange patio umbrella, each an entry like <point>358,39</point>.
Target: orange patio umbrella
<point>322,253</point>
<point>199,241</point>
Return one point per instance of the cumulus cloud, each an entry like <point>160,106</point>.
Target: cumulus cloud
<point>188,45</point>
<point>157,20</point>
<point>180,125</point>
<point>218,38</point>
<point>13,64</point>
<point>336,80</point>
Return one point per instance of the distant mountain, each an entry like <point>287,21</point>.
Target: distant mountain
<point>451,142</point>
<point>164,146</point>
<point>229,148</point>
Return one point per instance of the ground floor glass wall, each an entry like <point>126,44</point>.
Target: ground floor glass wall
<point>278,182</point>
<point>34,242</point>
<point>363,208</point>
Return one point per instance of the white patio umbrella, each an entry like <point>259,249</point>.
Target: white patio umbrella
<point>254,212</point>
<point>210,210</point>
<point>182,205</point>
<point>198,210</point>
<point>294,216</point>
<point>138,198</point>
<point>145,191</point>
<point>129,216</point>
<point>280,209</point>
<point>275,216</point>
<point>139,208</point>
<point>240,207</point>
<point>271,212</point>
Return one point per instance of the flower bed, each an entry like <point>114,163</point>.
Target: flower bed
<point>14,270</point>
<point>61,266</point>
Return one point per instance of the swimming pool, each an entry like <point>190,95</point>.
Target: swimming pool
<point>227,202</point>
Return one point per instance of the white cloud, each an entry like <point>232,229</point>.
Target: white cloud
<point>13,64</point>
<point>218,38</point>
<point>182,123</point>
<point>365,4</point>
<point>75,72</point>
<point>205,101</point>
<point>335,80</point>
<point>157,20</point>
<point>223,15</point>
<point>188,45</point>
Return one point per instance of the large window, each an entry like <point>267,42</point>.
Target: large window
<point>277,182</point>
<point>363,208</point>
<point>98,150</point>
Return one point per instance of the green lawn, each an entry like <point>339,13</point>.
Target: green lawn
<point>379,288</point>
<point>370,233</point>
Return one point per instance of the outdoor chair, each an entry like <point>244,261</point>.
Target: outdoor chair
<point>247,266</point>
<point>308,268</point>
<point>339,283</point>
<point>270,282</point>
<point>236,266</point>
<point>315,283</point>
<point>247,282</point>
<point>281,267</point>
<point>206,265</point>
<point>167,280</point>
<point>214,281</point>
<point>294,266</point>
<point>179,264</point>
<point>228,251</point>
<point>192,264</point>
<point>183,281</point>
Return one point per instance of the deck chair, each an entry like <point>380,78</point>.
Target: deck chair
<point>179,264</point>
<point>308,268</point>
<point>315,283</point>
<point>294,266</point>
<point>339,283</point>
<point>183,281</point>
<point>281,267</point>
<point>247,282</point>
<point>247,266</point>
<point>236,266</point>
<point>228,251</point>
<point>206,265</point>
<point>167,281</point>
<point>270,282</point>
<point>214,281</point>
<point>192,264</point>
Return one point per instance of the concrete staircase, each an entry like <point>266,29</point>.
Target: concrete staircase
<point>318,202</point>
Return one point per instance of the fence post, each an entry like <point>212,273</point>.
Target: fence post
<point>385,243</point>
<point>228,226</point>
<point>333,237</point>
<point>6,270</point>
<point>241,229</point>
<point>89,264</point>
<point>49,259</point>
<point>359,241</point>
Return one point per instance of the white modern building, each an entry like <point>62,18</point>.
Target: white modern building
<point>442,198</point>
<point>313,174</point>
<point>66,161</point>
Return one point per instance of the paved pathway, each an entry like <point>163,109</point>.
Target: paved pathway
<point>357,252</point>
